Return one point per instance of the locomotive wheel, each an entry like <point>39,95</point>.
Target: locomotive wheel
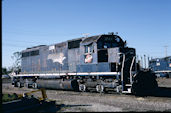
<point>15,84</point>
<point>82,87</point>
<point>119,89</point>
<point>34,85</point>
<point>19,84</point>
<point>100,88</point>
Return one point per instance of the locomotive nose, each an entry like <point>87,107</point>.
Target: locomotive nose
<point>144,83</point>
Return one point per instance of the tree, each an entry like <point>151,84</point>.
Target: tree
<point>4,71</point>
<point>17,64</point>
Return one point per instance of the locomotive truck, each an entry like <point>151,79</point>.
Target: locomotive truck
<point>102,63</point>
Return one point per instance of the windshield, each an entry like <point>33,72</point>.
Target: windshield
<point>109,41</point>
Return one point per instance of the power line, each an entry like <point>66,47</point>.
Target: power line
<point>16,41</point>
<point>13,45</point>
<point>20,32</point>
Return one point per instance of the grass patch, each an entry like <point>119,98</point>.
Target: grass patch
<point>9,97</point>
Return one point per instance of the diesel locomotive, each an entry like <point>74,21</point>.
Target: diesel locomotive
<point>102,63</point>
<point>161,66</point>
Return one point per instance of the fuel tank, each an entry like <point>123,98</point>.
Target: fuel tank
<point>57,84</point>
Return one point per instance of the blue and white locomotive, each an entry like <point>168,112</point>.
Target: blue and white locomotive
<point>101,63</point>
<point>161,66</point>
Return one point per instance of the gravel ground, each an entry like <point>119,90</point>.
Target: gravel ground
<point>71,101</point>
<point>164,82</point>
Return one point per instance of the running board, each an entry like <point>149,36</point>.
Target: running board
<point>65,74</point>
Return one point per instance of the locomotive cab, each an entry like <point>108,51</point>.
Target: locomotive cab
<point>108,47</point>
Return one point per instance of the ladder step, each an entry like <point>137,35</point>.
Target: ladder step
<point>126,92</point>
<point>129,91</point>
<point>128,85</point>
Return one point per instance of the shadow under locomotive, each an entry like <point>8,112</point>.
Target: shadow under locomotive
<point>162,92</point>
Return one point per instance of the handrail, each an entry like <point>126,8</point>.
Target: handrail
<point>131,69</point>
<point>79,73</point>
<point>123,62</point>
<point>44,96</point>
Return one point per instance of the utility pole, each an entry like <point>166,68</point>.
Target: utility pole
<point>145,61</point>
<point>137,59</point>
<point>148,61</point>
<point>166,50</point>
<point>141,62</point>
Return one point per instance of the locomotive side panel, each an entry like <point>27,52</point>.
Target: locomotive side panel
<point>100,67</point>
<point>42,62</point>
<point>73,59</point>
<point>31,60</point>
<point>113,55</point>
<point>88,58</point>
<point>58,58</point>
<point>52,58</point>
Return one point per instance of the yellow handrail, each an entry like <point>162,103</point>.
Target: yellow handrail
<point>44,96</point>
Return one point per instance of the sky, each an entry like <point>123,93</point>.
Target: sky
<point>144,24</point>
